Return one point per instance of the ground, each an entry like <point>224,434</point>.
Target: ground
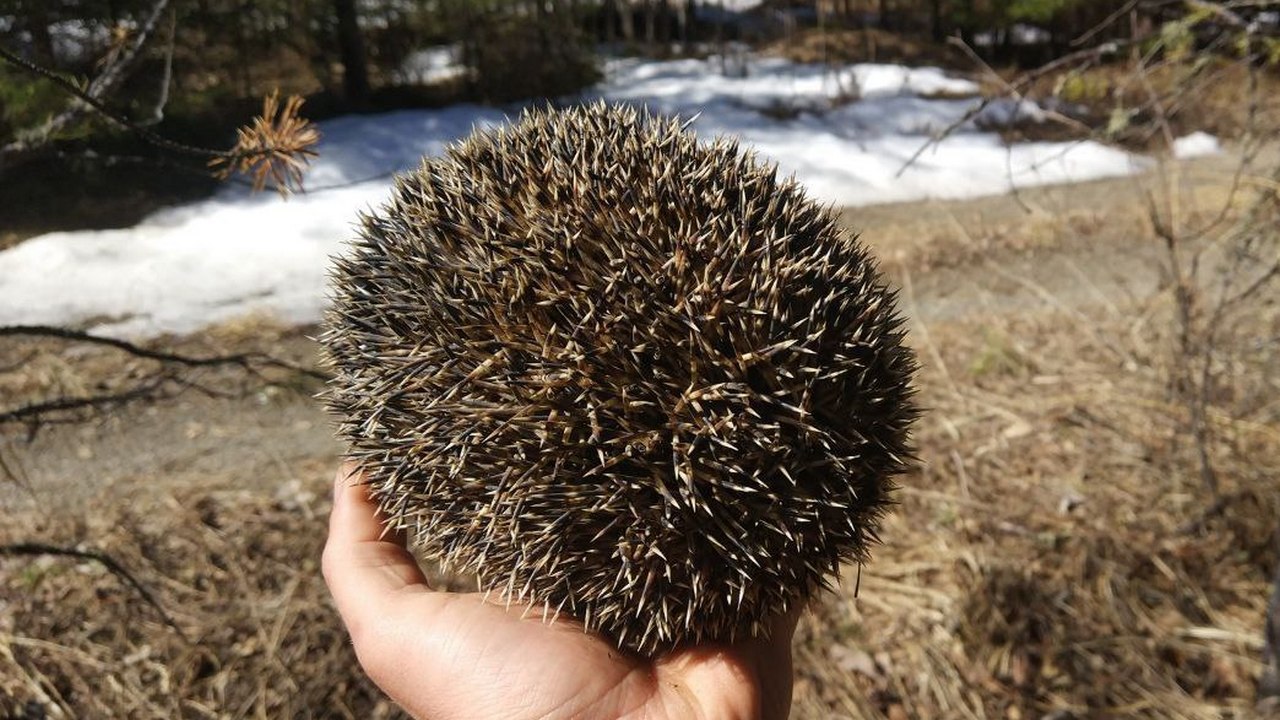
<point>1055,554</point>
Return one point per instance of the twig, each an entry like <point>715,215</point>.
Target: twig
<point>245,360</point>
<point>159,385</point>
<point>166,79</point>
<point>1261,281</point>
<point>1016,87</point>
<point>114,72</point>
<point>1091,32</point>
<point>34,413</point>
<point>87,97</point>
<point>91,96</point>
<point>111,564</point>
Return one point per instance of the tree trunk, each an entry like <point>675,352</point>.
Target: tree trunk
<point>650,22</point>
<point>355,71</point>
<point>628,19</point>
<point>242,51</point>
<point>41,39</point>
<point>609,26</point>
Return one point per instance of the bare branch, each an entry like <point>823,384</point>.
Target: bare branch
<point>89,97</point>
<point>165,383</point>
<point>278,145</point>
<point>35,414</point>
<point>244,360</point>
<point>111,564</point>
<point>86,99</point>
<point>1017,87</point>
<point>111,75</point>
<point>166,79</point>
<point>1120,12</point>
<point>1260,282</point>
<point>75,409</point>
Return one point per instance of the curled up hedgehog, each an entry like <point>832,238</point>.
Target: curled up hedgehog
<point>616,372</point>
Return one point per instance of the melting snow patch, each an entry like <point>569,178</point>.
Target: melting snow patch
<point>431,65</point>
<point>856,135</point>
<point>1197,144</point>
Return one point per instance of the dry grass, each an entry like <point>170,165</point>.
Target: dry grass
<point>1054,556</point>
<point>840,45</point>
<point>1214,96</point>
<point>1047,560</point>
<point>238,571</point>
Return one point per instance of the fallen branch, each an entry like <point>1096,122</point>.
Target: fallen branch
<point>36,412</point>
<point>160,385</point>
<point>247,361</point>
<point>27,549</point>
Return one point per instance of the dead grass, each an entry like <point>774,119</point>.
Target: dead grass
<point>1214,96</point>
<point>1054,555</point>
<point>840,45</point>
<point>239,571</point>
<point>1046,562</point>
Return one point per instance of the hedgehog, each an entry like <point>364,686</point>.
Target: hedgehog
<point>613,371</point>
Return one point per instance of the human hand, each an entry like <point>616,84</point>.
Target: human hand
<point>449,655</point>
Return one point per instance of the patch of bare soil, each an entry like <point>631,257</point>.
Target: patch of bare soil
<point>1054,555</point>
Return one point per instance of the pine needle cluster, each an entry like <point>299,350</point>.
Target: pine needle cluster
<point>277,145</point>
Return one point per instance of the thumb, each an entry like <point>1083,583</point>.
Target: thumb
<point>365,565</point>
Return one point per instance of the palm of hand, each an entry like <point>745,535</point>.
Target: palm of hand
<point>443,655</point>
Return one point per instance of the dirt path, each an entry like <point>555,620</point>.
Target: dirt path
<point>1073,246</point>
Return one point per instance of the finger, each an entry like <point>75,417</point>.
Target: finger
<point>781,631</point>
<point>752,676</point>
<point>358,521</point>
<point>771,657</point>
<point>365,567</point>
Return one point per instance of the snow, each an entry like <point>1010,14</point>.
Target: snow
<point>1019,34</point>
<point>237,253</point>
<point>848,135</point>
<point>430,65</point>
<point>725,11</point>
<point>1197,144</point>
<point>78,40</point>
